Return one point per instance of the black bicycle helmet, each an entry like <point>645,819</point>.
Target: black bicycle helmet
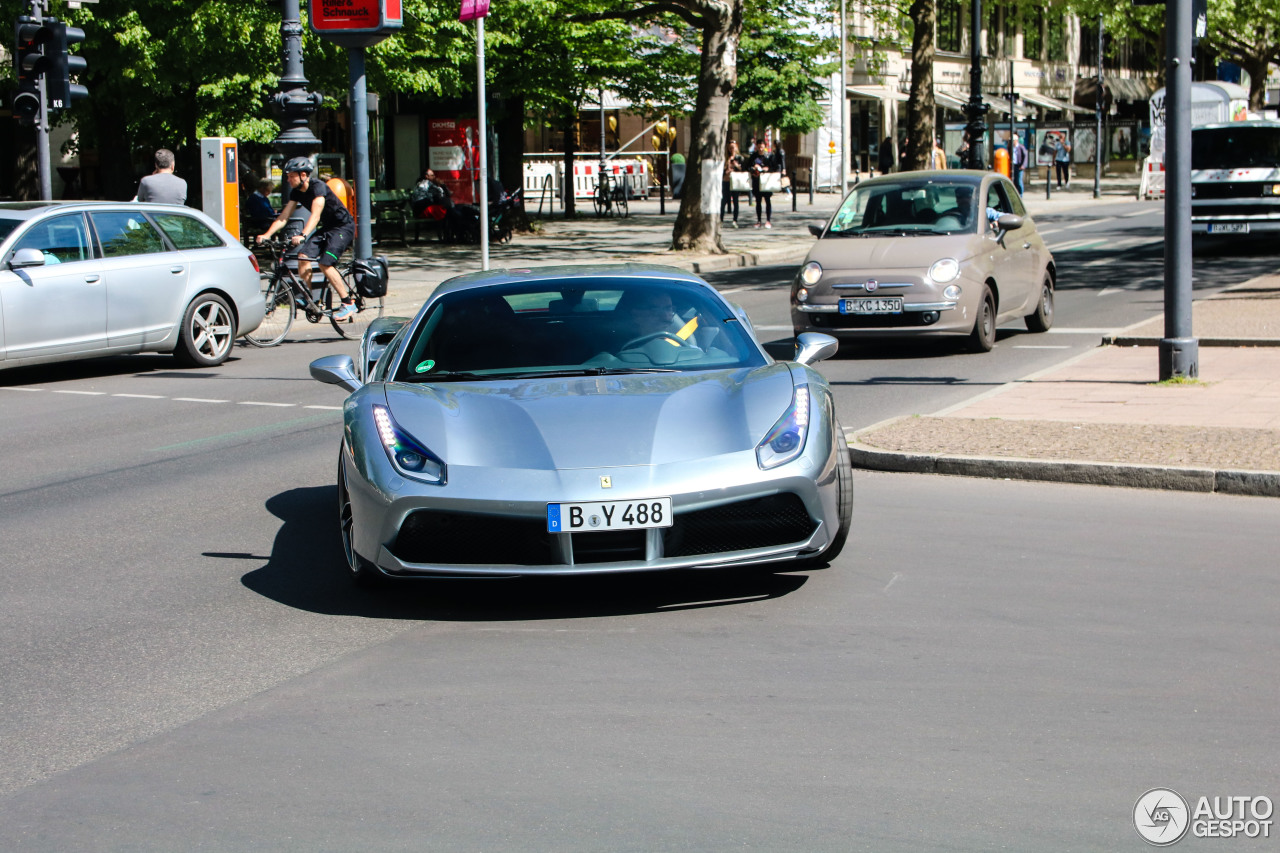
<point>299,164</point>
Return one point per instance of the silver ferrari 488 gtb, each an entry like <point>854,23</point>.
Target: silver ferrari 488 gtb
<point>566,420</point>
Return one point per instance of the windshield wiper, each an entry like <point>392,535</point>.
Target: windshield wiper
<point>465,376</point>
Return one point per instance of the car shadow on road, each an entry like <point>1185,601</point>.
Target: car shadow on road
<point>306,571</point>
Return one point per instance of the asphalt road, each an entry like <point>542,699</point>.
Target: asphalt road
<point>989,664</point>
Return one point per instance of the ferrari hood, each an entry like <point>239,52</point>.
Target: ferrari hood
<point>599,421</point>
<point>892,253</point>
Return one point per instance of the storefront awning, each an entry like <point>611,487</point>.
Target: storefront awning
<point>1051,103</point>
<point>949,101</point>
<point>1001,105</point>
<point>877,93</point>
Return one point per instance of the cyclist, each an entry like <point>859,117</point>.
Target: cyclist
<point>327,234</point>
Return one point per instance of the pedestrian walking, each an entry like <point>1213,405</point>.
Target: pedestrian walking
<point>767,169</point>
<point>729,196</point>
<point>1018,162</point>
<point>1062,161</point>
<point>162,186</point>
<point>939,156</point>
<point>886,158</point>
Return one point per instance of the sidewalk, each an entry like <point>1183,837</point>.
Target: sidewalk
<point>1103,418</point>
<point>645,237</point>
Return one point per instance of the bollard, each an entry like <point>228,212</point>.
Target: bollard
<point>1048,180</point>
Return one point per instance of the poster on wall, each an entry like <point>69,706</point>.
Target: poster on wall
<point>452,153</point>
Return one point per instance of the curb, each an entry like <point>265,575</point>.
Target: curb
<point>1122,340</point>
<point>1252,483</point>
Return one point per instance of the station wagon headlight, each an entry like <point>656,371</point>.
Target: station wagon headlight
<point>785,441</point>
<point>408,456</point>
<point>811,272</point>
<point>945,270</point>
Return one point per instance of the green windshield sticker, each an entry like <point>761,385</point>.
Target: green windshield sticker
<point>425,366</point>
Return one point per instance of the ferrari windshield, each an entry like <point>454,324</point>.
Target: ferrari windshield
<point>577,327</point>
<point>908,206</point>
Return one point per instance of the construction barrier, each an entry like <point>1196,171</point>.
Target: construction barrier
<point>636,172</point>
<point>1152,184</point>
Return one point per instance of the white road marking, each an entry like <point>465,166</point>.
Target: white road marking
<point>326,408</point>
<point>142,396</point>
<point>9,388</point>
<point>197,400</point>
<point>1079,331</point>
<point>1141,213</point>
<point>1107,291</point>
<point>85,393</point>
<point>253,403</point>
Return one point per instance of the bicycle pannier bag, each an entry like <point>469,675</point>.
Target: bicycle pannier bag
<point>371,276</point>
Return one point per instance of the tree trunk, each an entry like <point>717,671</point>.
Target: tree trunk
<point>921,109</point>
<point>697,225</point>
<point>1257,65</point>
<point>570,138</point>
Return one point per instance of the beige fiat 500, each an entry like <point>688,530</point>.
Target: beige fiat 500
<point>926,253</point>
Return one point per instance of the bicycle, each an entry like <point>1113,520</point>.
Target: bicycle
<point>610,195</point>
<point>285,294</point>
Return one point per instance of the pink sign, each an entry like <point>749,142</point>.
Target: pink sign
<point>472,9</point>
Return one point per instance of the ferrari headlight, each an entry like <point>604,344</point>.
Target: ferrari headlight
<point>785,441</point>
<point>811,272</point>
<point>408,456</point>
<point>945,270</point>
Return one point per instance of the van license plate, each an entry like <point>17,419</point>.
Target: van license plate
<point>885,305</point>
<point>1228,227</point>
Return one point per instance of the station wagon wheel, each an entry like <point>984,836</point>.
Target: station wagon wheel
<point>208,329</point>
<point>1041,320</point>
<point>362,571</point>
<point>983,336</point>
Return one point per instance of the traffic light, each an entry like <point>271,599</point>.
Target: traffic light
<point>42,50</point>
<point>29,61</point>
<point>59,89</point>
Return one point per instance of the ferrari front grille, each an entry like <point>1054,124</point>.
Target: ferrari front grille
<point>756,523</point>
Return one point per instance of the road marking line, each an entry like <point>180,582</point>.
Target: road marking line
<point>326,408</point>
<point>1078,244</point>
<point>253,403</point>
<point>1080,331</point>
<point>197,400</point>
<point>1140,213</point>
<point>1041,346</point>
<point>10,388</point>
<point>141,396</point>
<point>85,393</point>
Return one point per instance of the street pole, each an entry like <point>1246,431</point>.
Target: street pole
<point>293,103</point>
<point>43,168</point>
<point>976,109</point>
<point>360,148</point>
<point>844,104</point>
<point>484,146</point>
<point>1179,351</point>
<point>1097,141</point>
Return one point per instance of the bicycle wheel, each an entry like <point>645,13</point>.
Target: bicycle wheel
<point>621,203</point>
<point>367,310</point>
<point>601,200</point>
<point>278,318</point>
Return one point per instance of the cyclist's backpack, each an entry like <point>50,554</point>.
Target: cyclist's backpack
<point>371,276</point>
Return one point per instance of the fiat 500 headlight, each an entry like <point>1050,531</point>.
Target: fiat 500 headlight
<point>785,441</point>
<point>811,272</point>
<point>409,456</point>
<point>945,270</point>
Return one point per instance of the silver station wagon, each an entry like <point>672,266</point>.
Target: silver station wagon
<point>945,253</point>
<point>86,279</point>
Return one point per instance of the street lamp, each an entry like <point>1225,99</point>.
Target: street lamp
<point>976,109</point>
<point>293,103</point>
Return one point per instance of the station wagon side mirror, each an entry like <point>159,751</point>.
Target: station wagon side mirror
<point>26,258</point>
<point>816,230</point>
<point>337,370</point>
<point>1009,222</point>
<point>813,347</point>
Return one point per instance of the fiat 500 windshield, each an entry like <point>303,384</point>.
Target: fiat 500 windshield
<point>908,207</point>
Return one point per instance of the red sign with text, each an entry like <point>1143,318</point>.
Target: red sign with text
<point>453,153</point>
<point>355,23</point>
